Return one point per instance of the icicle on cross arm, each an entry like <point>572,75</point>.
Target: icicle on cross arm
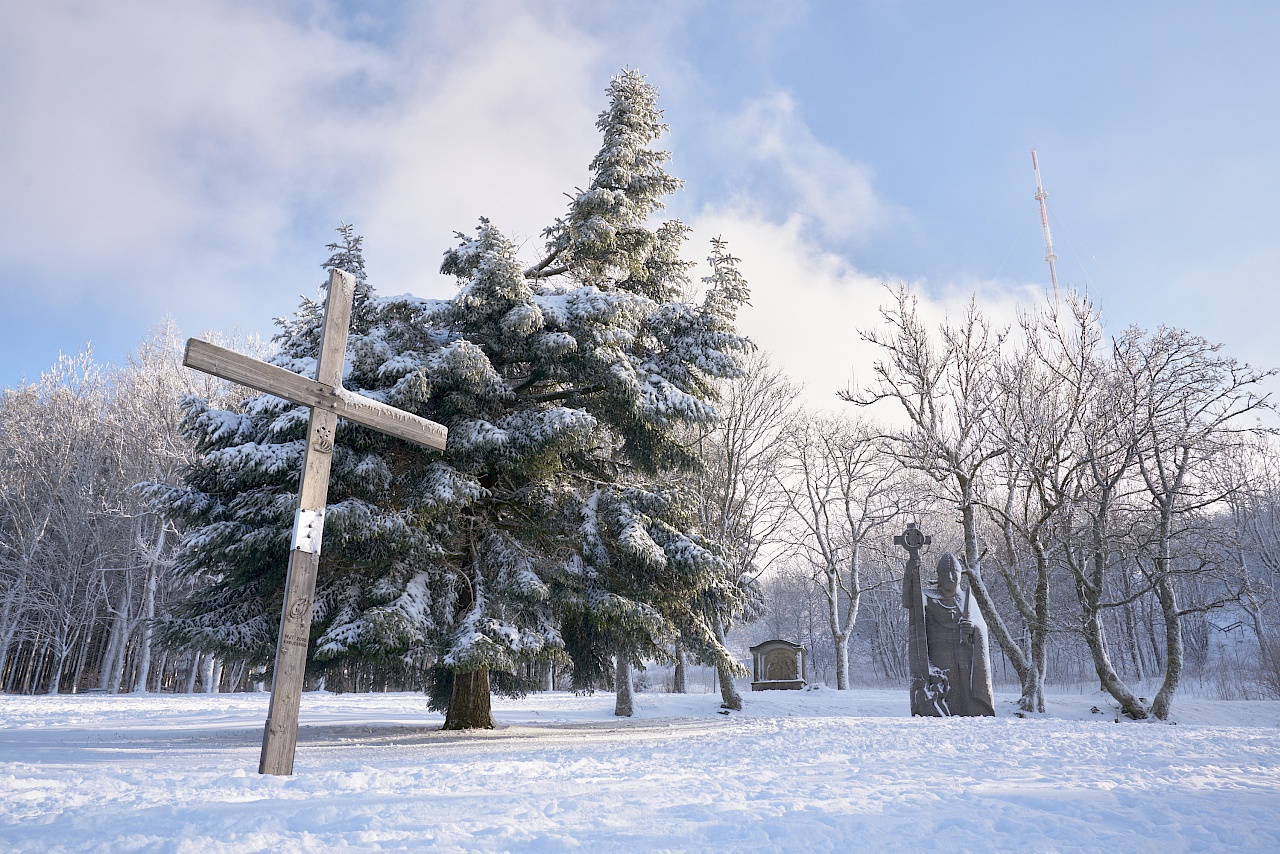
<point>328,401</point>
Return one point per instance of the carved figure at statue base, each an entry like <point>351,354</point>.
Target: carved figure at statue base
<point>952,638</point>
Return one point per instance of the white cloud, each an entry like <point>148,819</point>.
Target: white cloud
<point>141,132</point>
<point>783,162</point>
<point>503,131</point>
<point>153,144</point>
<point>808,305</point>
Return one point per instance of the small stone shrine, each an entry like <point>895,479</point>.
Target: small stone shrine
<point>778,665</point>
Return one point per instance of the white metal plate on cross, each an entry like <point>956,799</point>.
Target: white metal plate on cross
<point>328,401</point>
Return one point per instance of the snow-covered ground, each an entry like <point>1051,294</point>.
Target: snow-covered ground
<point>796,771</point>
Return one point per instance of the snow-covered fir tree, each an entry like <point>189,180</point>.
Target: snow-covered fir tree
<point>552,524</point>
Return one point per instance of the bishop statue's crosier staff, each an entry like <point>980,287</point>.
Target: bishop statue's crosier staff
<point>928,684</point>
<point>328,400</point>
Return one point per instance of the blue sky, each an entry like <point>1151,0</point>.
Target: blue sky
<point>193,159</point>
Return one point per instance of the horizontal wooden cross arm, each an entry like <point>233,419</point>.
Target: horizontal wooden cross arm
<point>271,379</point>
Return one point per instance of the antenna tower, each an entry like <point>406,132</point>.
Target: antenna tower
<point>1041,195</point>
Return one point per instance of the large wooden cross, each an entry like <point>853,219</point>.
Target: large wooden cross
<point>328,400</point>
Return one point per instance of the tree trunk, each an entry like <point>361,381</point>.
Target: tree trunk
<point>680,680</point>
<point>35,669</point>
<point>14,672</point>
<point>469,703</point>
<point>238,674</point>
<point>625,706</point>
<point>1168,597</point>
<point>59,658</point>
<point>8,624</point>
<point>6,642</point>
<point>191,675</point>
<point>841,643</point>
<point>838,636</point>
<point>1032,699</point>
<point>207,674</point>
<point>149,612</point>
<point>1153,639</point>
<point>1089,592</point>
<point>1008,645</point>
<point>149,616</point>
<point>1107,676</point>
<point>729,696</point>
<point>86,637</point>
<point>109,680</point>
<point>164,666</point>
<point>1136,651</point>
<point>124,626</point>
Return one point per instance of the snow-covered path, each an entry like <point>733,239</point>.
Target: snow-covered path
<point>811,771</point>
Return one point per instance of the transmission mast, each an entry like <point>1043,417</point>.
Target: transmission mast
<point>1041,195</point>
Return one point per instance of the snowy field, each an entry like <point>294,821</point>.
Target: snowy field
<point>795,771</point>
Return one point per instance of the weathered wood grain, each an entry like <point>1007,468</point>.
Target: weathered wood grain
<point>260,376</point>
<point>280,736</point>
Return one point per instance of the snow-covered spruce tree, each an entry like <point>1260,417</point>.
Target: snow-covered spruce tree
<point>237,500</point>
<point>638,529</point>
<point>568,389</point>
<point>597,364</point>
<point>564,393</point>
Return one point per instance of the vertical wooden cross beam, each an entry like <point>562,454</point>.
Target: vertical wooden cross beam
<point>280,737</point>
<point>328,400</point>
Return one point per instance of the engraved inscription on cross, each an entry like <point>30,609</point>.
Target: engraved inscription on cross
<point>328,401</point>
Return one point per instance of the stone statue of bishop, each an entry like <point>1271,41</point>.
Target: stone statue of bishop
<point>956,640</point>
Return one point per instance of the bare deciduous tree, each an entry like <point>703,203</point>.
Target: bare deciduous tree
<point>1192,404</point>
<point>1041,393</point>
<point>84,573</point>
<point>739,504</point>
<point>839,491</point>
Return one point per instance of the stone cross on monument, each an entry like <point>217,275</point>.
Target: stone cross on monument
<point>328,400</point>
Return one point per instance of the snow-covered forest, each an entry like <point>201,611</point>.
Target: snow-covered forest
<point>632,490</point>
